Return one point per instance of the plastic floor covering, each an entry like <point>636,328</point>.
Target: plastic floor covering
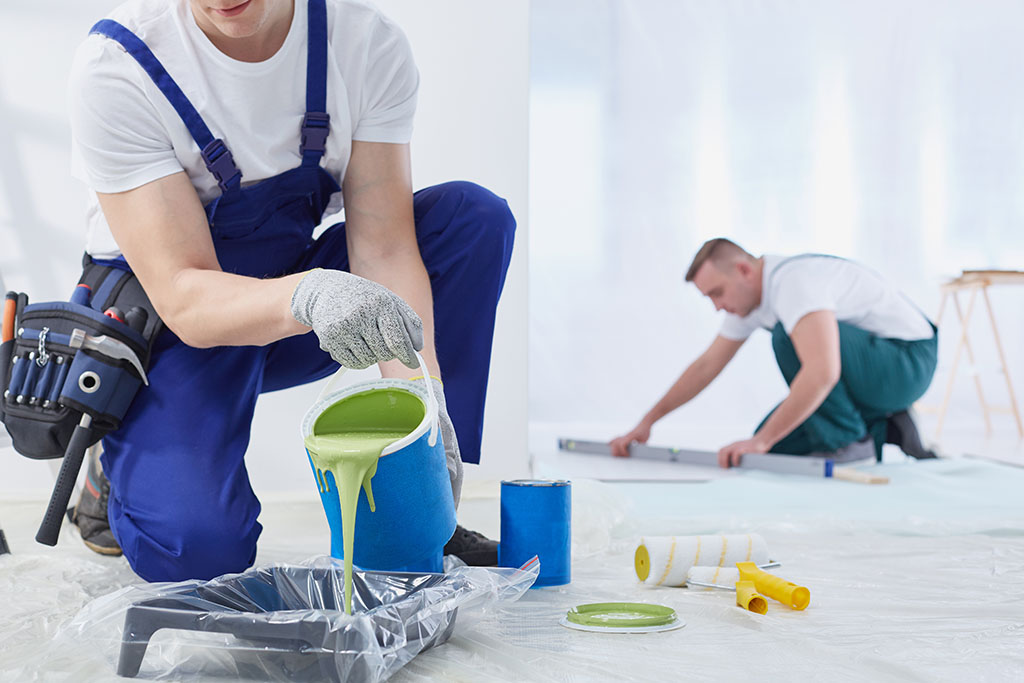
<point>921,579</point>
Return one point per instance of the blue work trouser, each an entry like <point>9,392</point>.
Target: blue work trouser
<point>879,377</point>
<point>181,506</point>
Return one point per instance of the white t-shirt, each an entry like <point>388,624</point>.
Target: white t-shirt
<point>793,287</point>
<point>126,133</point>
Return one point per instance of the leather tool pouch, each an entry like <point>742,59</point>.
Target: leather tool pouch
<point>48,383</point>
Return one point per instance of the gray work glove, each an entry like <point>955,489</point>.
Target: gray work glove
<point>358,322</point>
<point>451,444</point>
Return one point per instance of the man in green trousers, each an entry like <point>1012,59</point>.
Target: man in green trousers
<point>855,352</point>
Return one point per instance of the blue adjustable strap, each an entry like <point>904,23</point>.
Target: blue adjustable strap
<point>316,124</point>
<point>113,278</point>
<point>216,155</point>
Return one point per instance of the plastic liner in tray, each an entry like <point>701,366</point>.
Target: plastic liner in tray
<point>287,622</point>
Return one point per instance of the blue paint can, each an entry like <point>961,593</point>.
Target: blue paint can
<point>536,519</point>
<point>415,512</point>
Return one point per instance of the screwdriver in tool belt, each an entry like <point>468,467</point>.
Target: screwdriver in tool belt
<point>10,306</point>
<point>81,295</point>
<point>115,313</point>
<point>136,318</point>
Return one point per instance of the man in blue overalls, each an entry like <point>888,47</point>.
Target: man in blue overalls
<point>216,135</point>
<point>855,352</point>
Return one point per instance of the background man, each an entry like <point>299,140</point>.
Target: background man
<point>855,352</point>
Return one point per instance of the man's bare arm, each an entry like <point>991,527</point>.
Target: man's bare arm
<point>162,231</point>
<point>816,340</point>
<point>694,380</point>
<point>381,235</point>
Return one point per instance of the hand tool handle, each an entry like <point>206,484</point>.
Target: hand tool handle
<point>49,530</point>
<point>42,388</point>
<point>18,373</point>
<point>115,313</point>
<point>62,375</point>
<point>32,369</point>
<point>748,599</point>
<point>10,305</point>
<point>136,318</point>
<point>856,476</point>
<point>774,587</point>
<point>81,295</point>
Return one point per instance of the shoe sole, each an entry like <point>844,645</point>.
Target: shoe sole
<point>110,552</point>
<point>72,515</point>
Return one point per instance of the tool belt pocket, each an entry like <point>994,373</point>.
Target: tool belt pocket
<point>68,359</point>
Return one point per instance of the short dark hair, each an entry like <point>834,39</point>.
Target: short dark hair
<point>718,251</point>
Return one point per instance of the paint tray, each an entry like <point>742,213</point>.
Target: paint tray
<point>287,622</point>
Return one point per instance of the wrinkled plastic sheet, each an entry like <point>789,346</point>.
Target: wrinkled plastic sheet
<point>918,580</point>
<point>287,623</point>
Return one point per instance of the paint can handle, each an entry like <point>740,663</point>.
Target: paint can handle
<point>434,408</point>
<point>331,383</point>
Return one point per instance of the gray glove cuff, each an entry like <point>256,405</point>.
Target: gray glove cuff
<point>305,296</point>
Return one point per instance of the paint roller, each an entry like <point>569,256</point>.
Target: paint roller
<point>664,560</point>
<point>750,581</point>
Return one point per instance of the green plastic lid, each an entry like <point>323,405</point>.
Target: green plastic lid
<point>621,615</point>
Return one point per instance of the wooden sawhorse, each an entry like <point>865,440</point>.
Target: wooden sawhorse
<point>975,281</point>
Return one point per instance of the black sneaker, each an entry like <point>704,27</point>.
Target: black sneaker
<point>90,515</point>
<point>473,548</point>
<point>902,431</point>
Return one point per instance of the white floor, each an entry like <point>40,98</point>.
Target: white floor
<point>921,579</point>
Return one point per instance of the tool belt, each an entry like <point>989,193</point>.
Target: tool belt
<point>68,359</point>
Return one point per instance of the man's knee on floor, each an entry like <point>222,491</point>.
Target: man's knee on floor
<point>197,549</point>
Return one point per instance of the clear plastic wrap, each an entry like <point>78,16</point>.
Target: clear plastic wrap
<point>286,622</point>
<point>918,580</point>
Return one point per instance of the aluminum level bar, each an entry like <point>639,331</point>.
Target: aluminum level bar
<point>807,465</point>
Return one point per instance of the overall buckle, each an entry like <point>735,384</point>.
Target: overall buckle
<point>316,126</point>
<point>221,164</point>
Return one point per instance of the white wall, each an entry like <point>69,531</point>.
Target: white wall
<point>471,124</point>
<point>888,132</point>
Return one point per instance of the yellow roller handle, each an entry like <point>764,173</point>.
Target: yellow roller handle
<point>748,599</point>
<point>784,591</point>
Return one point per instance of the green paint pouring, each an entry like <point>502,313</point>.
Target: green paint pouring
<point>352,459</point>
<point>347,441</point>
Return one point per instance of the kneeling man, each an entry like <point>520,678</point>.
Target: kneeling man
<point>855,352</point>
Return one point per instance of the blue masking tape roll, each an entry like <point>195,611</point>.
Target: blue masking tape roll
<point>536,519</point>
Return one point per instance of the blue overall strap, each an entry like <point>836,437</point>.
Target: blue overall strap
<point>216,155</point>
<point>316,124</point>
